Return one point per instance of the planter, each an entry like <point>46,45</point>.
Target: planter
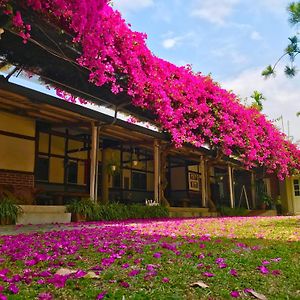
<point>78,217</point>
<point>263,206</point>
<point>6,221</point>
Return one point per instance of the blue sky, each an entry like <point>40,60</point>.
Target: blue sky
<point>231,39</point>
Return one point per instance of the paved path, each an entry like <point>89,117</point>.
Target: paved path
<point>17,229</point>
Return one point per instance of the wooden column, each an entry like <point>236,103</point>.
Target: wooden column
<point>253,190</point>
<point>94,162</point>
<point>203,182</point>
<point>231,186</point>
<point>93,158</point>
<point>156,157</point>
<point>105,176</point>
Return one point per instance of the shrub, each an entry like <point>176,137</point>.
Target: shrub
<point>116,211</point>
<point>231,212</point>
<point>84,207</point>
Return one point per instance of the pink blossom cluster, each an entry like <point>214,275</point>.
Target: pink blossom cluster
<point>190,106</point>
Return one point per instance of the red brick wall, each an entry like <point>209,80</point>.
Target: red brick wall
<point>16,178</point>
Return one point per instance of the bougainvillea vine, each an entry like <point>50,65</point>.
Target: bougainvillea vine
<point>190,106</point>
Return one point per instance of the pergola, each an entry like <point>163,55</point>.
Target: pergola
<point>50,54</point>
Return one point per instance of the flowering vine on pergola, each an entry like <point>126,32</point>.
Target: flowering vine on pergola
<point>190,106</point>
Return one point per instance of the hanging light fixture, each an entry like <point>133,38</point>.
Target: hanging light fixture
<point>135,159</point>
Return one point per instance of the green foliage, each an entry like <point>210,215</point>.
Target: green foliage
<point>293,49</point>
<point>231,212</point>
<point>9,210</point>
<point>116,211</point>
<point>258,99</point>
<point>294,12</point>
<point>85,207</point>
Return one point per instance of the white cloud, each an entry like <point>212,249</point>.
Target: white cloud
<point>125,6</point>
<point>214,11</point>
<point>282,94</point>
<point>169,43</point>
<point>229,52</point>
<point>256,36</point>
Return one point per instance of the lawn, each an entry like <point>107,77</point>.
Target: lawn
<point>221,258</point>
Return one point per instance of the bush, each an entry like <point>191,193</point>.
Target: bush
<point>116,211</point>
<point>9,211</point>
<point>85,207</point>
<point>232,212</point>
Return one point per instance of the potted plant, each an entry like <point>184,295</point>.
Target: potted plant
<point>9,211</point>
<point>266,201</point>
<point>82,210</point>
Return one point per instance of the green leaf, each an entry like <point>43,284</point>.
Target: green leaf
<point>294,11</point>
<point>268,71</point>
<point>290,71</point>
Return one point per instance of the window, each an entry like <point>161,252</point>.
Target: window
<point>296,187</point>
<point>72,172</point>
<point>139,180</point>
<point>42,169</point>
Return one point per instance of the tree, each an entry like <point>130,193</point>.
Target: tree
<point>258,99</point>
<point>293,48</point>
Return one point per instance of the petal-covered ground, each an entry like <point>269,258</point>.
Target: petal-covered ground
<point>167,259</point>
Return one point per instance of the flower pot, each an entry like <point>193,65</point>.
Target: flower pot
<point>6,221</point>
<point>78,217</point>
<point>263,206</point>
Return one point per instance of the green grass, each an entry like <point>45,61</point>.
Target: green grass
<point>242,242</point>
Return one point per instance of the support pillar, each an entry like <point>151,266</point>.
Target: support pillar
<point>105,176</point>
<point>93,159</point>
<point>253,190</point>
<point>156,157</point>
<point>203,182</point>
<point>230,173</point>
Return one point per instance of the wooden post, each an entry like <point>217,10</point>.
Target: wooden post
<point>203,182</point>
<point>93,157</point>
<point>253,190</point>
<point>231,186</point>
<point>97,164</point>
<point>156,157</point>
<point>105,177</point>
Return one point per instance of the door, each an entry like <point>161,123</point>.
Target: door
<point>296,194</point>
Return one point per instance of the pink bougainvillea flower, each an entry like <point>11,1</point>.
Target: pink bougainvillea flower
<point>133,273</point>
<point>220,260</point>
<point>235,294</point>
<point>157,255</point>
<point>3,297</point>
<point>277,259</point>
<point>233,272</point>
<point>207,274</point>
<point>59,281</point>
<point>124,284</point>
<point>79,274</point>
<point>125,266</point>
<point>222,266</point>
<point>276,272</point>
<point>45,296</point>
<point>265,262</point>
<point>101,296</point>
<point>13,288</point>
<point>165,279</point>
<point>263,269</point>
